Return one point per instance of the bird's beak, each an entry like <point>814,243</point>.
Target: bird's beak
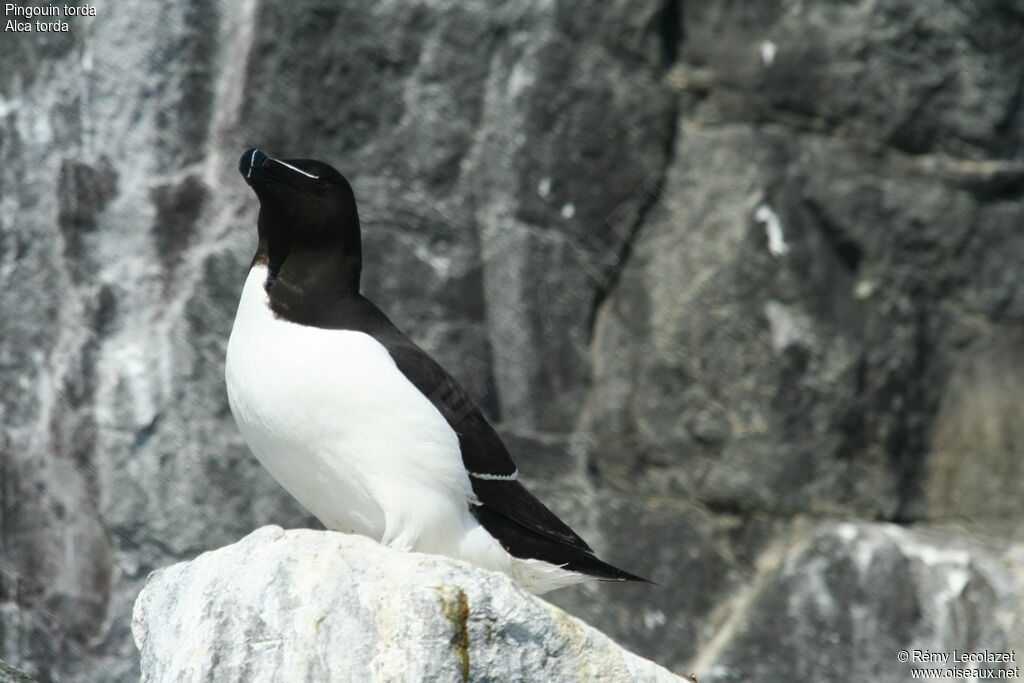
<point>252,165</point>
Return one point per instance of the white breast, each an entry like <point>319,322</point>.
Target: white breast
<point>332,418</point>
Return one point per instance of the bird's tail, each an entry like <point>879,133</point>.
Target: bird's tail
<point>525,543</point>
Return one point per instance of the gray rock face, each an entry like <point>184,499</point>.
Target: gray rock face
<point>8,674</point>
<point>308,605</point>
<point>720,272</point>
<point>857,594</point>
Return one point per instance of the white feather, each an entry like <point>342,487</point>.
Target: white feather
<point>334,420</point>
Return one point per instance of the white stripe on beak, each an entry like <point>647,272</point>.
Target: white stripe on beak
<point>251,160</point>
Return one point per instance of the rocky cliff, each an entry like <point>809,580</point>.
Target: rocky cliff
<point>725,274</point>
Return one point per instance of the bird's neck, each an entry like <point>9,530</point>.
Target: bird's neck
<point>303,283</point>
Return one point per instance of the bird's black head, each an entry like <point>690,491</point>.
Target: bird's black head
<point>308,226</point>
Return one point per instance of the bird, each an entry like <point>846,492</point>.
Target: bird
<point>356,421</point>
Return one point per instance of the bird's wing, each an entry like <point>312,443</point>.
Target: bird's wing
<point>492,473</point>
<point>491,469</point>
<point>509,512</point>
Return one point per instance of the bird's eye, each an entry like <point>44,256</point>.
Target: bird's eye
<point>321,184</point>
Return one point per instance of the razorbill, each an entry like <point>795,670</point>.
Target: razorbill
<point>356,421</point>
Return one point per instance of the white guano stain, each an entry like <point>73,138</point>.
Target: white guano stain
<point>789,327</point>
<point>544,187</point>
<point>654,618</point>
<point>520,80</point>
<point>773,227</point>
<point>863,289</point>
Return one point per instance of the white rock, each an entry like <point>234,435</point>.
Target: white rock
<point>324,606</point>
